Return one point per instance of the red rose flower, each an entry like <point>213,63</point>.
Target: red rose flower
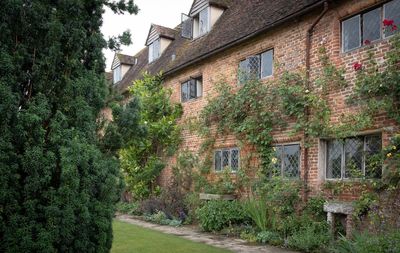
<point>357,66</point>
<point>367,42</point>
<point>388,22</point>
<point>394,28</point>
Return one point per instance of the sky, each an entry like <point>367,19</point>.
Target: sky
<point>161,12</point>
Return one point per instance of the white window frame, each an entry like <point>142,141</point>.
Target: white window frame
<point>117,74</point>
<point>196,23</point>
<point>230,159</point>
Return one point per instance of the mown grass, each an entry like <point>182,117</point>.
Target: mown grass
<point>132,238</point>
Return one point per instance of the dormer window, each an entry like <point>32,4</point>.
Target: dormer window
<point>154,50</point>
<point>117,74</point>
<point>201,23</point>
<point>158,40</point>
<point>202,17</point>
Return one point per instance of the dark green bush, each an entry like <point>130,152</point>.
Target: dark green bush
<point>269,237</point>
<point>311,238</point>
<point>217,214</point>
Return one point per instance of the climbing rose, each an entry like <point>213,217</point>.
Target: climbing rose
<point>394,27</point>
<point>357,66</point>
<point>367,42</point>
<point>388,22</point>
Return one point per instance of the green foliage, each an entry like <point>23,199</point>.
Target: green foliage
<point>249,236</point>
<point>313,237</point>
<point>217,214</point>
<point>258,212</point>
<point>58,188</point>
<point>148,131</point>
<point>315,208</point>
<point>366,242</point>
<point>128,208</point>
<point>269,237</point>
<point>161,218</point>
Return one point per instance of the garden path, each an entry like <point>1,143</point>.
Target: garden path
<point>190,233</point>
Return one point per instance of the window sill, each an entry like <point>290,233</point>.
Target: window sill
<point>352,180</point>
<point>193,100</point>
<point>369,46</point>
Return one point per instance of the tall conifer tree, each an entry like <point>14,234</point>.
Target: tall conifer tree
<point>57,188</point>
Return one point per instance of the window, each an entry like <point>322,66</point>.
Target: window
<point>154,50</point>
<point>201,23</point>
<point>354,157</point>
<point>368,26</point>
<point>226,158</point>
<point>287,160</point>
<point>191,89</point>
<point>117,75</point>
<point>256,66</point>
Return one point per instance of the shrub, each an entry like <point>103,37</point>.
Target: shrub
<point>366,242</point>
<point>128,208</point>
<point>152,206</point>
<point>257,210</point>
<point>217,214</point>
<point>311,238</point>
<point>161,218</point>
<point>269,237</point>
<point>249,236</point>
<point>315,208</point>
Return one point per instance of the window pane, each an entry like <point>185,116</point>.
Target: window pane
<point>203,18</point>
<point>334,159</point>
<point>199,87</point>
<point>234,159</point>
<point>185,92</point>
<point>151,52</point>
<point>291,158</point>
<point>278,160</point>
<point>267,63</point>
<point>351,33</point>
<point>225,158</point>
<point>243,70</point>
<point>217,160</point>
<point>254,67</point>
<point>156,49</point>
<point>372,25</point>
<point>392,11</point>
<point>373,159</point>
<point>353,148</point>
<point>192,89</point>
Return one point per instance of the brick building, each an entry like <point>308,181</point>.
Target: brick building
<point>218,37</point>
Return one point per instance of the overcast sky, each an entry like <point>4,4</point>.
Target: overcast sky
<point>161,12</point>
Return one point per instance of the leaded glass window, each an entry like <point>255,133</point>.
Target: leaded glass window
<point>287,160</point>
<point>227,158</point>
<point>256,66</point>
<point>354,157</point>
<point>191,89</point>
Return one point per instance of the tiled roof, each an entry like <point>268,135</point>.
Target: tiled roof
<point>242,20</point>
<point>126,59</point>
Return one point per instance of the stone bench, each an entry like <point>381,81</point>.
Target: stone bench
<point>334,208</point>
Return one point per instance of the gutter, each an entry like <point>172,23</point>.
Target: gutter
<point>242,39</point>
<point>308,86</point>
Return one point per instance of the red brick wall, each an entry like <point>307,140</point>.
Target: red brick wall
<point>288,42</point>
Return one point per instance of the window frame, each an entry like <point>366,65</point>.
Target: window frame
<point>361,14</point>
<point>117,74</point>
<point>196,22</point>
<point>282,165</point>
<point>259,55</point>
<point>343,170</point>
<point>221,150</point>
<point>197,80</point>
<point>154,54</point>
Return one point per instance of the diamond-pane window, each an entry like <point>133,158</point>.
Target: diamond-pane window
<point>351,34</point>
<point>354,157</point>
<point>227,158</point>
<point>256,66</point>
<point>372,25</point>
<point>287,160</point>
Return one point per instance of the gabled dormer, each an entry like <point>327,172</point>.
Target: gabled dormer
<point>202,16</point>
<point>158,40</point>
<point>120,65</point>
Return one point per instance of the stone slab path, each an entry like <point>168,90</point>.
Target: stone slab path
<point>229,243</point>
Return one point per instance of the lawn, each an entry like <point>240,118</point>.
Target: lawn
<point>131,238</point>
